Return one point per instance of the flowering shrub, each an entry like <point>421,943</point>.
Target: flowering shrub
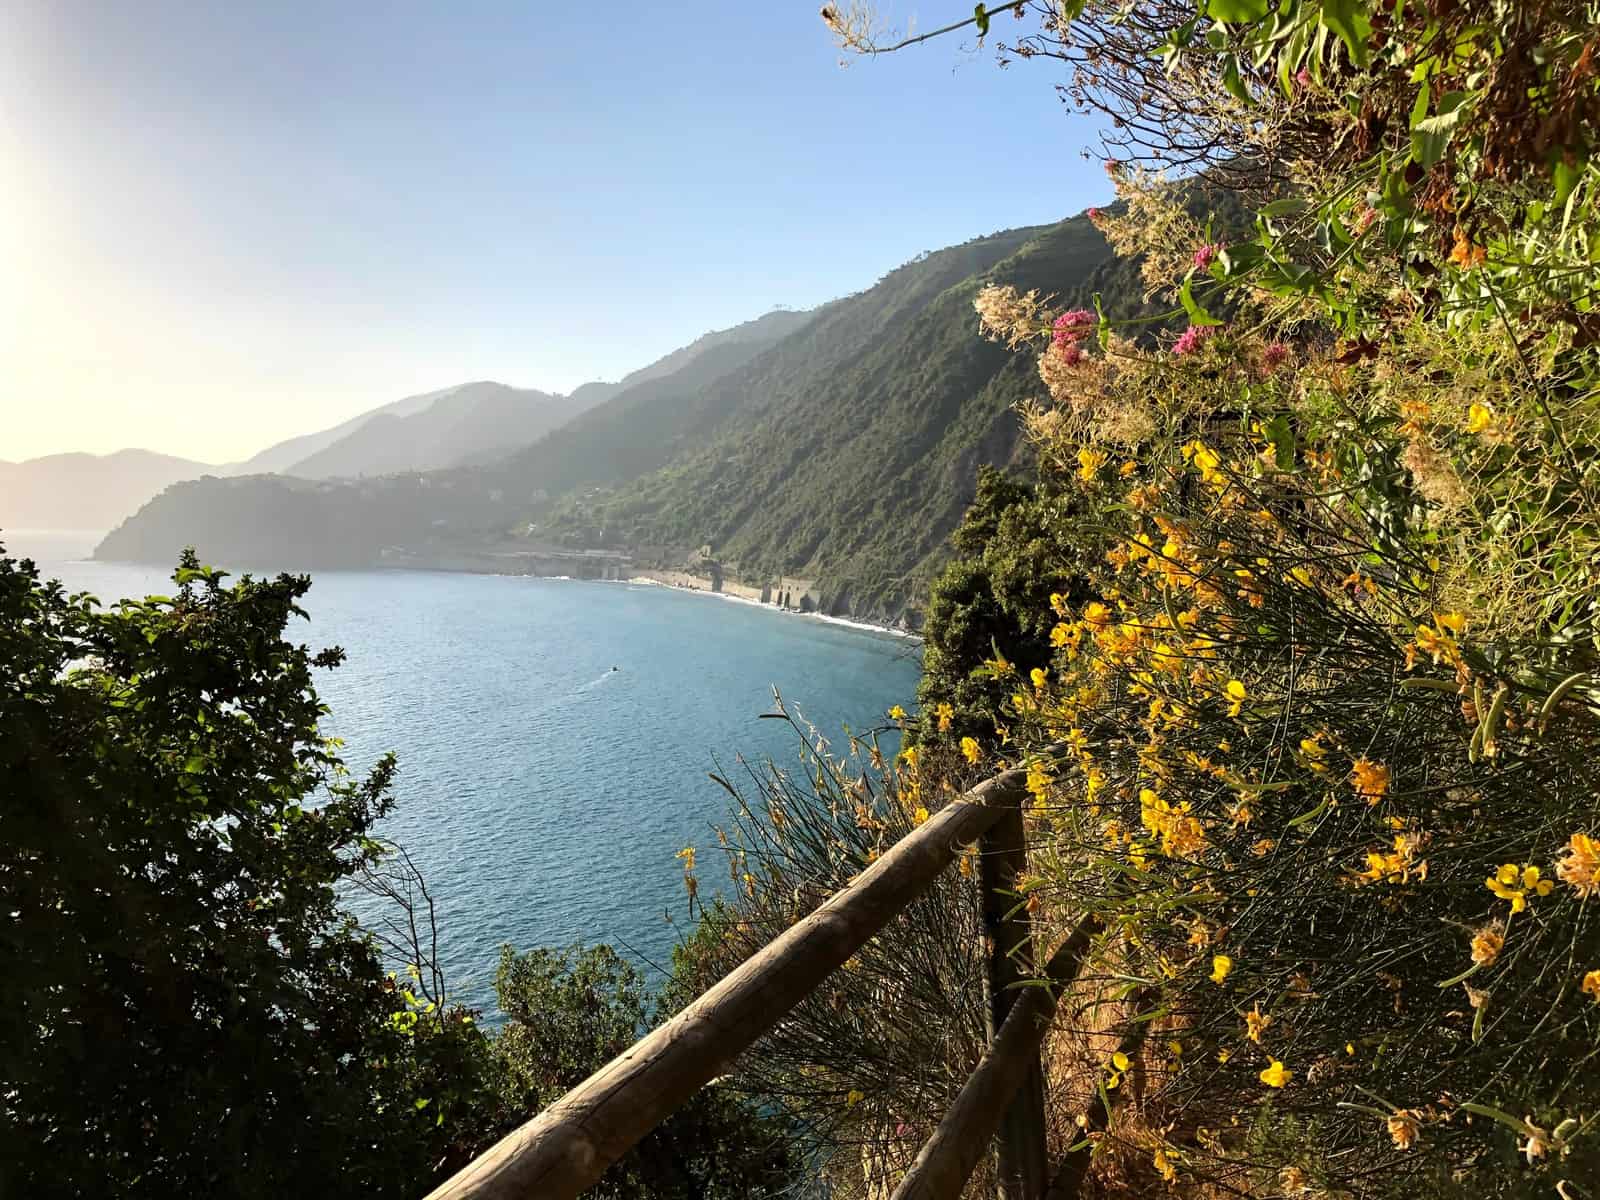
<point>1332,705</point>
<point>1327,670</point>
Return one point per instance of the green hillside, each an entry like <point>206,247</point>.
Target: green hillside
<point>847,454</point>
<point>842,448</point>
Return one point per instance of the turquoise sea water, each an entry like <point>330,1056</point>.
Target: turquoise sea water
<point>543,794</point>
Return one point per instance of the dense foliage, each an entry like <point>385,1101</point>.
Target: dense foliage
<point>190,1011</point>
<point>1331,707</point>
<point>1327,689</point>
<point>987,603</point>
<point>568,1013</point>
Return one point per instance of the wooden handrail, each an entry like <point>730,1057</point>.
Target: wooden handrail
<point>945,1162</point>
<point>568,1146</point>
<point>1021,1161</point>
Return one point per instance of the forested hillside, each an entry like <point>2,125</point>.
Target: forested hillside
<point>840,446</point>
<point>855,449</point>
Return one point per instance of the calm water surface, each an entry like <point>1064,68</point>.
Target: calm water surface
<point>543,794</point>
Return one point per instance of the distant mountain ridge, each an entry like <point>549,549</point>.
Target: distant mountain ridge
<point>455,426</point>
<point>837,448</point>
<point>85,491</point>
<point>469,423</point>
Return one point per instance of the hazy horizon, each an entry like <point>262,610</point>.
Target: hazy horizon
<point>231,225</point>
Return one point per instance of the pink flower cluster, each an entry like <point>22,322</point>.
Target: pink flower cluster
<point>1070,329</point>
<point>1192,338</point>
<point>1274,355</point>
<point>1207,255</point>
<point>1073,326</point>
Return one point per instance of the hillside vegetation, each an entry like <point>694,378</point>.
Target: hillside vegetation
<point>849,453</point>
<point>1295,634</point>
<point>841,446</point>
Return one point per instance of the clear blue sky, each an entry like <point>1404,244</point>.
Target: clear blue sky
<point>231,222</point>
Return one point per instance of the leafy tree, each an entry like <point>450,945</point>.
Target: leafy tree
<point>569,1013</point>
<point>993,598</point>
<point>190,1010</point>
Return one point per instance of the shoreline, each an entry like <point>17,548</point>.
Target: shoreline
<point>846,622</point>
<point>634,580</point>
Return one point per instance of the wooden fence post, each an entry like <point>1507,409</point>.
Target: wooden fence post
<point>945,1162</point>
<point>566,1148</point>
<point>1023,1165</point>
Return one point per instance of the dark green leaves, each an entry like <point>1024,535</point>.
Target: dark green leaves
<point>980,15</point>
<point>1430,135</point>
<point>1237,12</point>
<point>1348,19</point>
<point>1197,311</point>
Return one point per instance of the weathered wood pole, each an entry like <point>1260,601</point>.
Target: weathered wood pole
<point>945,1162</point>
<point>567,1147</point>
<point>1022,1162</point>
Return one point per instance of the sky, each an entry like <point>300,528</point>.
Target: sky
<point>224,224</point>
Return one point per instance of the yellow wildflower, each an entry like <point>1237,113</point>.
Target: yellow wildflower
<point>1479,418</point>
<point>1464,253</point>
<point>1119,1060</point>
<point>1404,1128</point>
<point>1038,675</point>
<point>1486,946</point>
<point>969,747</point>
<point>1581,867</point>
<point>1089,463</point>
<point>1276,1075</point>
<point>1058,604</point>
<point>1038,780</point>
<point>1256,1023</point>
<point>921,815</point>
<point>1371,779</point>
<point>1513,884</point>
<point>943,712</point>
<point>1221,964</point>
<point>1236,697</point>
<point>897,713</point>
<point>1164,1164</point>
<point>687,855</point>
<point>853,1098</point>
<point>1097,614</point>
<point>1591,985</point>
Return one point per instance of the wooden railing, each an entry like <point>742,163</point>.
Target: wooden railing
<point>568,1146</point>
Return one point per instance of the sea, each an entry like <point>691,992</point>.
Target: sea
<point>555,737</point>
